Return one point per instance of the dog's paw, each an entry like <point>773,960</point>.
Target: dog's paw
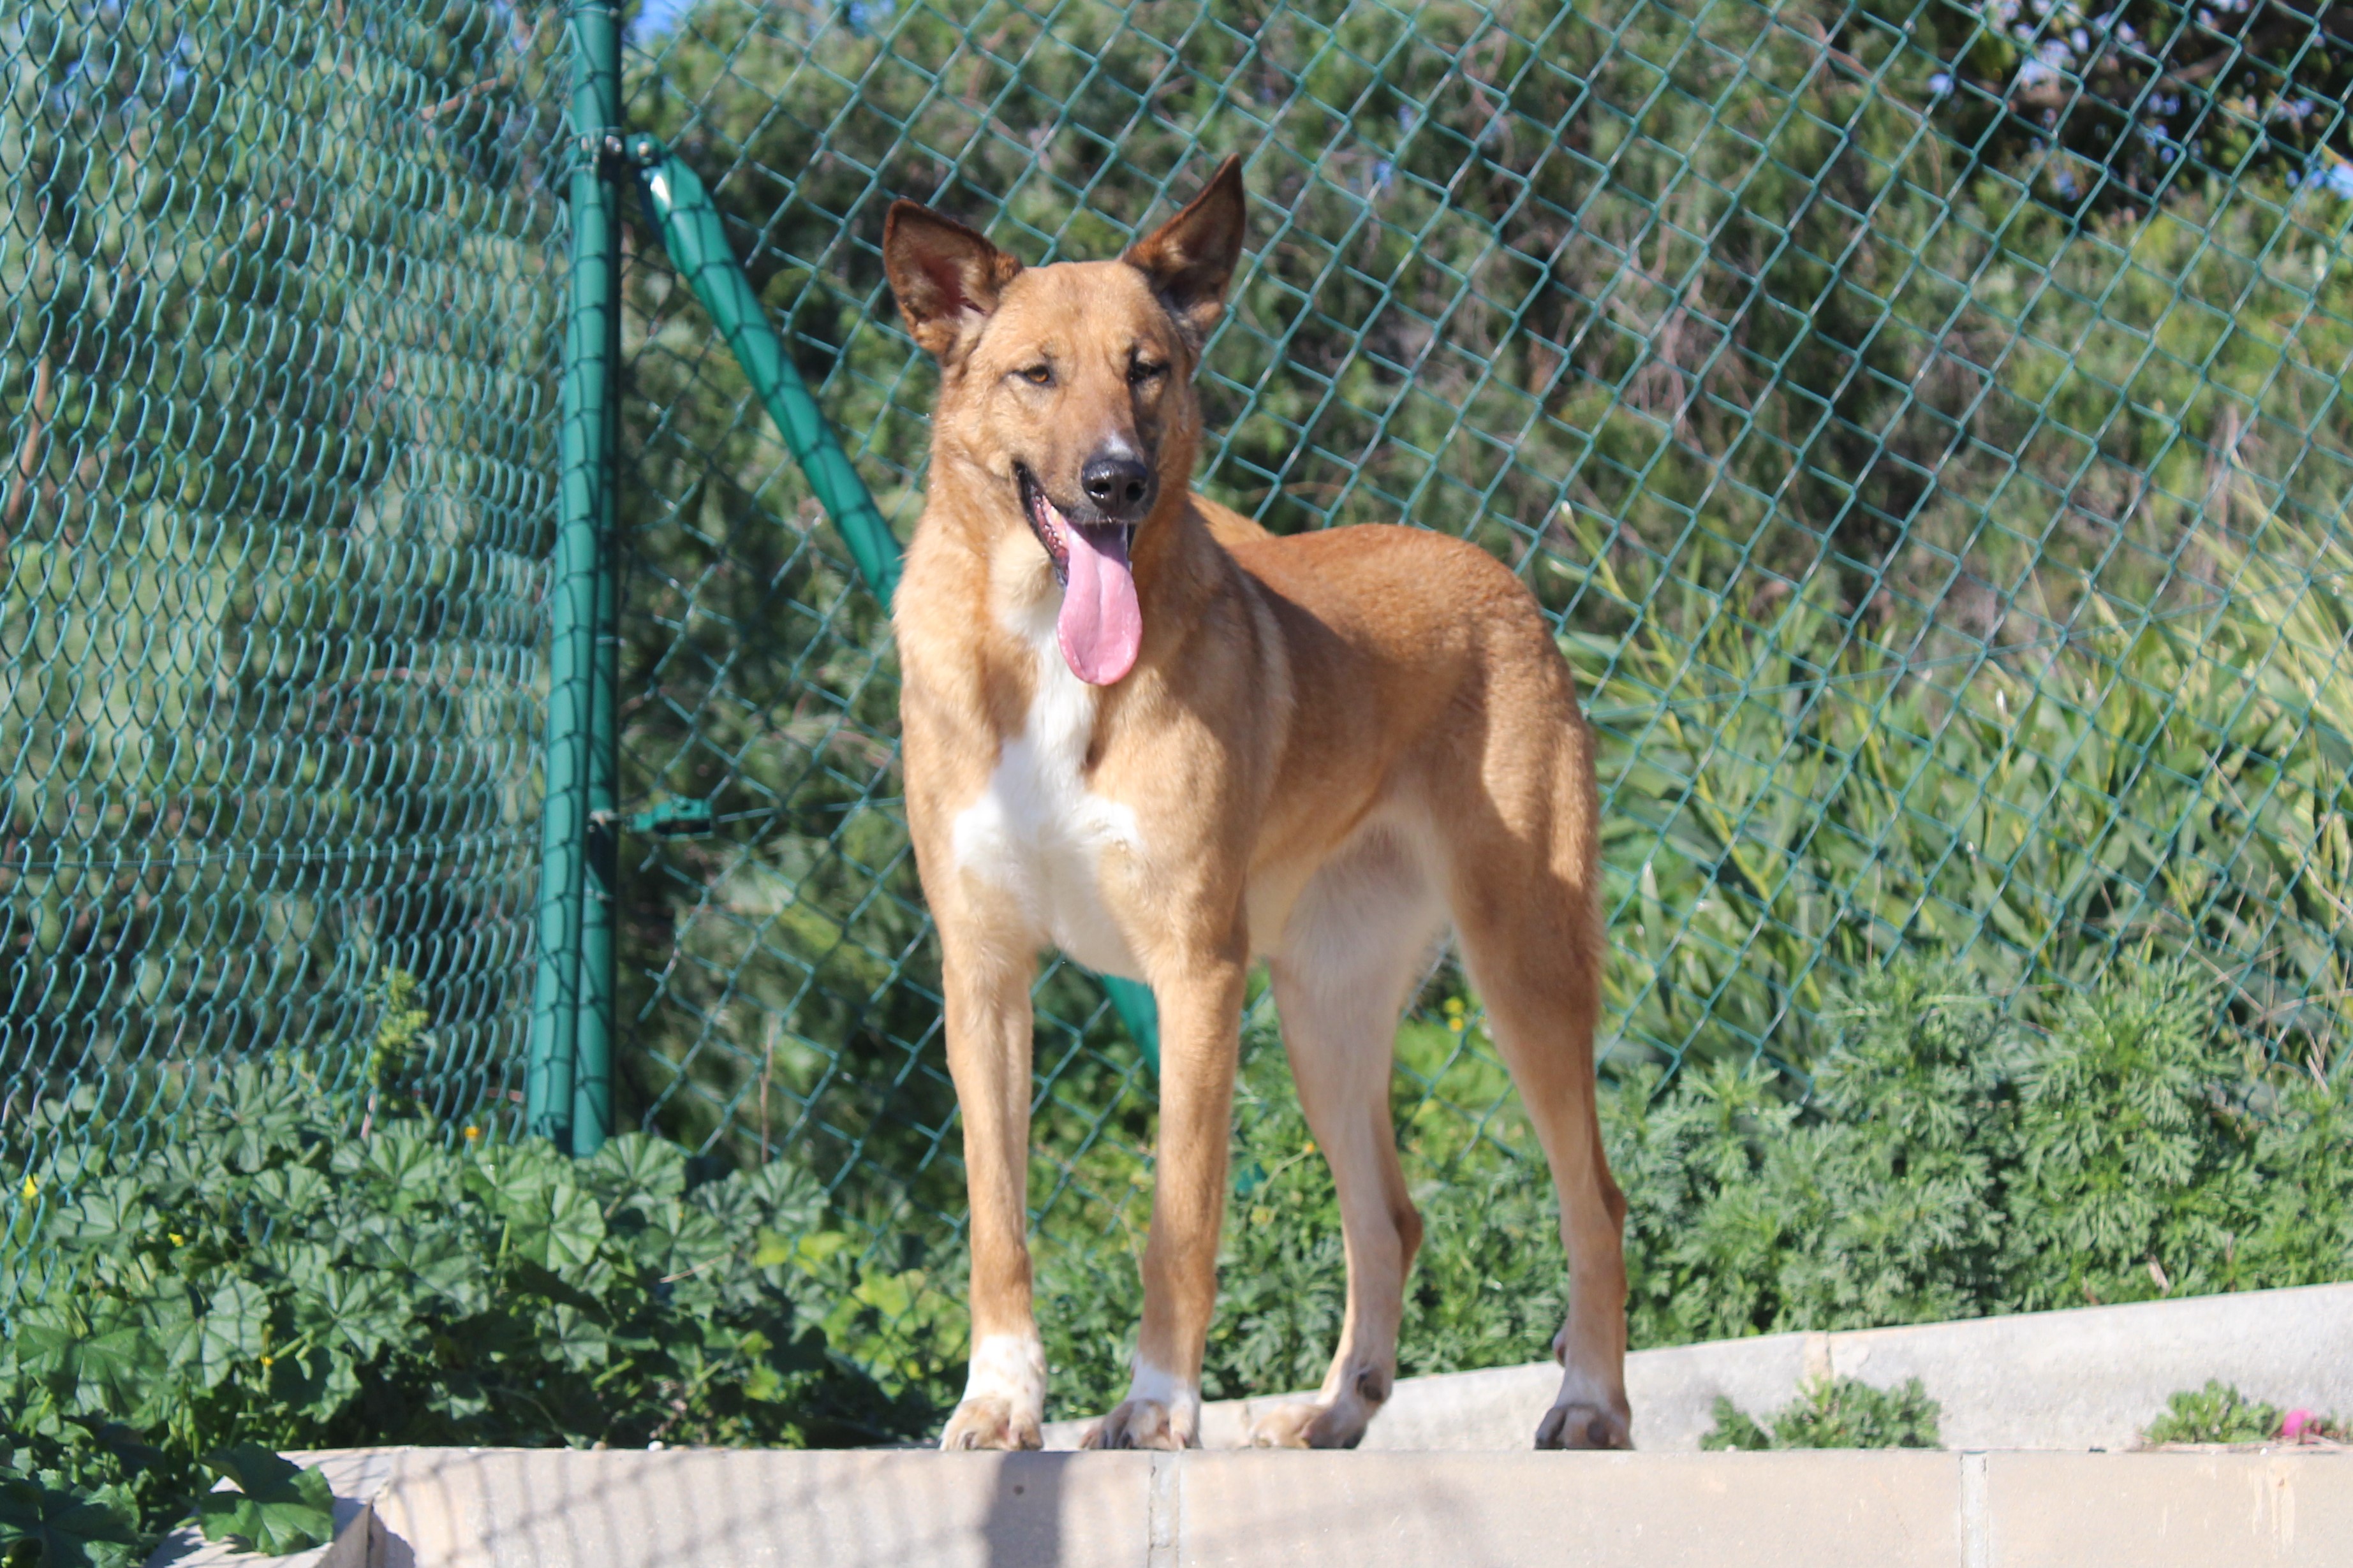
<point>1142,1424</point>
<point>1288,1426</point>
<point>1583,1427</point>
<point>991,1423</point>
<point>1300,1424</point>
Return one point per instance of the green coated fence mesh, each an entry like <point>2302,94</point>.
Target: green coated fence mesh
<point>1927,422</point>
<point>273,389</point>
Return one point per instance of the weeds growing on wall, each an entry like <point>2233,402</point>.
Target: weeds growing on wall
<point>1832,1412</point>
<point>2214,1414</point>
<point>2218,1413</point>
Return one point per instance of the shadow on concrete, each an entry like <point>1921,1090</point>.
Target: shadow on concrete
<point>1023,1527</point>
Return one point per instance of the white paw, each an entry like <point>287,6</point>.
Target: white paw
<point>991,1423</point>
<point>1144,1423</point>
<point>1338,1422</point>
<point>1004,1396</point>
<point>1161,1411</point>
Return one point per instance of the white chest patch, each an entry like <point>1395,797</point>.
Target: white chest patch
<point>1038,832</point>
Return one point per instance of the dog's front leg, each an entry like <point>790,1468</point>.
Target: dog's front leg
<point>1200,1029</point>
<point>988,1025</point>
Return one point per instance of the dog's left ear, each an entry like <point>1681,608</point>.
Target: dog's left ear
<point>1191,259</point>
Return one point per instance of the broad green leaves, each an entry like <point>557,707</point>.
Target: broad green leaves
<point>638,1166</point>
<point>66,1527</point>
<point>274,1277</point>
<point>208,1340</point>
<point>278,1506</point>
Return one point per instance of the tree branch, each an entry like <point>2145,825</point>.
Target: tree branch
<point>2054,92</point>
<point>26,469</point>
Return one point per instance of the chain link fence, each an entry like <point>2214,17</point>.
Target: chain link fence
<point>1929,436</point>
<point>273,395</point>
<point>1927,424</point>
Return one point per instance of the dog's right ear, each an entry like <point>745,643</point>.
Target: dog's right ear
<point>946,278</point>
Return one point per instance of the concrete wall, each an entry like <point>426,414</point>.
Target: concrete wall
<point>1445,1477</point>
<point>443,1508</point>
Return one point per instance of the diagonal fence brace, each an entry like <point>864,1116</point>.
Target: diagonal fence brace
<point>690,231</point>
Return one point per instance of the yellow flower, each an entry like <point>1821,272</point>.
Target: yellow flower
<point>269,1361</point>
<point>473,1133</point>
<point>32,1187</point>
<point>178,1239</point>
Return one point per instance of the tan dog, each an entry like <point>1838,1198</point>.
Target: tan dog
<point>1142,729</point>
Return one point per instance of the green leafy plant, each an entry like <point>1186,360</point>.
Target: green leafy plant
<point>47,1517</point>
<point>2218,1413</point>
<point>272,1278</point>
<point>1833,1413</point>
<point>2214,1414</point>
<point>278,1506</point>
<point>1948,1159</point>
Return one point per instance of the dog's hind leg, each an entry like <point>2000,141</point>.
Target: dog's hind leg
<point>1357,942</point>
<point>1524,887</point>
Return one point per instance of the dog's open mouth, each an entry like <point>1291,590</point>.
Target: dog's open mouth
<point>1101,625</point>
<point>1046,521</point>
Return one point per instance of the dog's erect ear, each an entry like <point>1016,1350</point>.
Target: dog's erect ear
<point>1192,257</point>
<point>945,277</point>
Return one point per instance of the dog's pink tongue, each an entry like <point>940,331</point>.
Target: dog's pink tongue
<point>1101,626</point>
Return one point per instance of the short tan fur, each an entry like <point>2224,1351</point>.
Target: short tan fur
<point>1140,728</point>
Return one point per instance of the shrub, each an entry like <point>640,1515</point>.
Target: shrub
<point>1833,1413</point>
<point>275,1278</point>
<point>1948,1159</point>
<point>2221,1414</point>
<point>1953,1162</point>
<point>2214,1414</point>
<point>272,1277</point>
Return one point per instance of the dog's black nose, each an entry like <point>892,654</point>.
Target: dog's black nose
<point>1120,487</point>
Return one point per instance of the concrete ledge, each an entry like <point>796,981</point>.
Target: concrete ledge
<point>1892,1509</point>
<point>2093,1377</point>
<point>1445,1477</point>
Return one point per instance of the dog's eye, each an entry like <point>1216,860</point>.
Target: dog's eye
<point>1141,371</point>
<point>1038,375</point>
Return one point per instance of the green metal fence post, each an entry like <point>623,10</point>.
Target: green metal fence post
<point>568,1093</point>
<point>592,1051</point>
<point>698,246</point>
